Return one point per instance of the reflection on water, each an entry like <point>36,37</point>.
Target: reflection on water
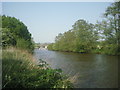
<point>89,70</point>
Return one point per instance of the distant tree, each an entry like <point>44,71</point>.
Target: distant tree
<point>81,38</point>
<point>50,46</point>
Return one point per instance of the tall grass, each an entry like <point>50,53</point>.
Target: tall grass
<point>21,71</point>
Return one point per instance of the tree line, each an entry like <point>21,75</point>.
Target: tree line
<point>85,37</point>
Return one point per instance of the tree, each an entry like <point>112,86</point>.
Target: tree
<point>110,29</point>
<point>14,32</point>
<point>113,14</point>
<point>84,33</point>
<point>82,38</point>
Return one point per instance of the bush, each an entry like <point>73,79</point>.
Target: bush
<point>24,44</point>
<point>21,71</point>
<point>111,49</point>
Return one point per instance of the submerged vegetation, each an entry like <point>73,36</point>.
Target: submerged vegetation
<point>102,37</point>
<point>21,71</point>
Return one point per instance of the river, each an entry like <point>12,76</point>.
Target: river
<point>84,70</point>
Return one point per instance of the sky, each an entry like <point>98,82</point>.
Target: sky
<point>45,20</point>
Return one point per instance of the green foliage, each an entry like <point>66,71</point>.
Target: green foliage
<point>37,45</point>
<point>110,49</point>
<point>24,44</point>
<point>86,37</point>
<point>7,38</point>
<point>110,31</point>
<point>82,38</point>
<point>50,46</point>
<point>15,33</point>
<point>21,71</point>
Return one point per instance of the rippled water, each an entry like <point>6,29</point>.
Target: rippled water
<point>85,70</point>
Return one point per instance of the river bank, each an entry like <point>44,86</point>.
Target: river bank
<point>21,71</point>
<point>88,70</point>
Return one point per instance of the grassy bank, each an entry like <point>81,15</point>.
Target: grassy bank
<point>20,71</point>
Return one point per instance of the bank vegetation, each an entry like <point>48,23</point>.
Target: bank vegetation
<point>102,37</point>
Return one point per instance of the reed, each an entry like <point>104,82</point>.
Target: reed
<point>19,70</point>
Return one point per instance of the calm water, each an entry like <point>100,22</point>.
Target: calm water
<point>85,70</point>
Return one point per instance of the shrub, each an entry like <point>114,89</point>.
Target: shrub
<point>111,49</point>
<point>21,71</point>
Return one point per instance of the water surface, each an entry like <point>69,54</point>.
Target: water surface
<point>85,70</point>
